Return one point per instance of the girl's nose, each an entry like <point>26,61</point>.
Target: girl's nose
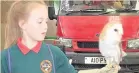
<point>45,27</point>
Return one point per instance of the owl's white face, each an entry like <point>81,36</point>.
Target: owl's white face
<point>117,28</point>
<point>115,32</point>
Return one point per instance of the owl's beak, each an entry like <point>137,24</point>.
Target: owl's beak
<point>120,28</point>
<point>121,32</point>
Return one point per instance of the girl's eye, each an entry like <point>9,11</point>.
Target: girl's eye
<point>39,22</point>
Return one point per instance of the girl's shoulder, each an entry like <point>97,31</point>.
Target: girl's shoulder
<point>5,51</point>
<point>54,49</point>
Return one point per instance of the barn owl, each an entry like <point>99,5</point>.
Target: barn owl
<point>110,45</point>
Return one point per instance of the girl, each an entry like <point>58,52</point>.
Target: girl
<point>26,28</point>
<point>26,53</point>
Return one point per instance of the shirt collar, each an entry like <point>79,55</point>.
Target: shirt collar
<point>24,49</point>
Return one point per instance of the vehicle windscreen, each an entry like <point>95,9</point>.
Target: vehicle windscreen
<point>98,7</point>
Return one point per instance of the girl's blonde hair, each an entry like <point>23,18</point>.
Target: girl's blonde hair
<point>19,10</point>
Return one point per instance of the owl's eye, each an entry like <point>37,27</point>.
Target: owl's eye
<point>115,30</point>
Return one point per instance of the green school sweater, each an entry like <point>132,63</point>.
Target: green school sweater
<point>35,62</point>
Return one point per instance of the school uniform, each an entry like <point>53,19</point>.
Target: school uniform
<point>43,58</point>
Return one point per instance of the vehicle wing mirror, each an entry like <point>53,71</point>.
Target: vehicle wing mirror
<point>51,13</point>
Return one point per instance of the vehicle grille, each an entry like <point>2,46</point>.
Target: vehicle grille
<point>87,66</point>
<point>124,68</point>
<point>88,44</point>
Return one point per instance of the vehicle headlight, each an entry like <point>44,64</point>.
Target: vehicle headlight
<point>133,44</point>
<point>66,42</point>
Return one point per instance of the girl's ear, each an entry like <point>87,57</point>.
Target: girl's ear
<point>22,24</point>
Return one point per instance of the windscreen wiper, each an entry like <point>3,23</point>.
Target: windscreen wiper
<point>71,12</point>
<point>108,11</point>
<point>119,11</point>
<point>127,11</point>
<point>85,11</point>
<point>93,10</point>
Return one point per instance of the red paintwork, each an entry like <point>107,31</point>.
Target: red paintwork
<point>85,28</point>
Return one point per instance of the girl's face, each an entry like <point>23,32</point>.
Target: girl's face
<point>36,25</point>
